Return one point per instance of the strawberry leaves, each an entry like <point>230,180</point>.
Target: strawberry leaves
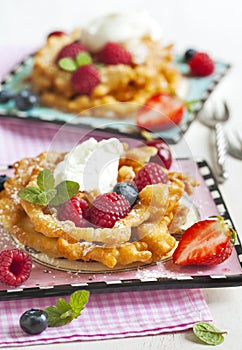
<point>46,193</point>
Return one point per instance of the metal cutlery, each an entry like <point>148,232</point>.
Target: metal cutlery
<point>234,140</point>
<point>214,120</point>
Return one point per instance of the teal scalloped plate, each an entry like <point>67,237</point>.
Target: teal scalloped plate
<point>193,89</point>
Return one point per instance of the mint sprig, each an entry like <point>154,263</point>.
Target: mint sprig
<point>83,58</point>
<point>63,312</point>
<point>64,191</point>
<point>209,334</point>
<point>46,193</point>
<point>70,65</point>
<point>45,180</point>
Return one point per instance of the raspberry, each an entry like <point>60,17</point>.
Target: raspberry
<point>15,266</point>
<point>151,173</point>
<point>70,50</point>
<point>76,210</point>
<point>201,64</point>
<point>107,208</point>
<point>113,53</point>
<point>85,78</point>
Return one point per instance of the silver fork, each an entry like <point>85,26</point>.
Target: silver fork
<point>234,140</point>
<point>214,120</point>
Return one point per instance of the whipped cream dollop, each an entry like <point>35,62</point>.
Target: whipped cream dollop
<point>120,28</point>
<point>93,164</point>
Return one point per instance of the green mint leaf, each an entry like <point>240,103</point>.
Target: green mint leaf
<point>60,314</point>
<point>63,305</point>
<point>208,333</point>
<point>50,194</point>
<point>78,301</point>
<point>67,64</point>
<point>41,199</point>
<point>33,195</point>
<point>56,318</point>
<point>36,195</point>
<point>65,191</point>
<point>45,180</point>
<point>63,312</point>
<point>83,58</point>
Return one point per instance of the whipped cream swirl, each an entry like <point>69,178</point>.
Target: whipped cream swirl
<point>93,164</point>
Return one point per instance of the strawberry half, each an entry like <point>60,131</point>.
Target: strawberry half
<point>161,112</point>
<point>207,242</point>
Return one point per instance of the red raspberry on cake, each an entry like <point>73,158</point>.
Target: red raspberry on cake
<point>113,53</point>
<point>150,174</point>
<point>70,50</point>
<point>85,79</point>
<point>107,208</point>
<point>201,64</point>
<point>76,210</point>
<point>15,266</point>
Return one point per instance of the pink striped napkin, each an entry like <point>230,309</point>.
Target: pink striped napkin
<point>116,315</point>
<point>106,316</point>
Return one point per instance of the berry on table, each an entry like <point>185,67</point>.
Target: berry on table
<point>85,79</point>
<point>6,95</point>
<point>201,64</point>
<point>76,210</point>
<point>113,53</point>
<point>25,100</point>
<point>129,191</point>
<point>150,174</point>
<point>189,54</point>
<point>34,321</point>
<point>15,266</point>
<point>107,208</point>
<point>163,152</point>
<point>70,50</point>
<point>3,178</point>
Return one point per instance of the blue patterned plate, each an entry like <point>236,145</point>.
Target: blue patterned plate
<point>196,89</point>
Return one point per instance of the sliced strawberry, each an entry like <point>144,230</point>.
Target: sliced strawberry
<point>207,242</point>
<point>161,112</point>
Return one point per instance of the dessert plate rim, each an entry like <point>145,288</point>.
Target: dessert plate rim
<point>199,89</point>
<point>228,274</point>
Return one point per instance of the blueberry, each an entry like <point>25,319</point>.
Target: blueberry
<point>25,100</point>
<point>129,191</point>
<point>3,178</point>
<point>5,96</point>
<point>34,321</point>
<point>189,54</point>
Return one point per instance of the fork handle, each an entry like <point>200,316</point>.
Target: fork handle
<point>221,152</point>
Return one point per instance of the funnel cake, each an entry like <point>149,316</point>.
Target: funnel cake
<point>141,236</point>
<point>147,72</point>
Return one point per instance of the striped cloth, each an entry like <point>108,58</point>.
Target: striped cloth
<point>116,315</point>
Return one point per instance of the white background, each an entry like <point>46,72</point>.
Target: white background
<point>213,26</point>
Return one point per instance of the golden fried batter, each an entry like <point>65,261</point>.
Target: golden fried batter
<point>119,83</point>
<point>142,236</point>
